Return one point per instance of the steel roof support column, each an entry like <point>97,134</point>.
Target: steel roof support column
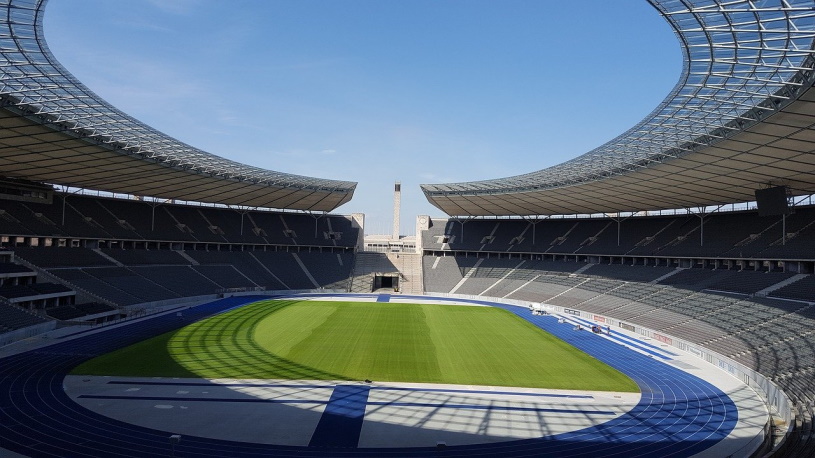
<point>462,222</point>
<point>534,222</point>
<point>64,195</point>
<point>791,200</point>
<point>316,218</point>
<point>618,219</point>
<point>64,198</point>
<point>784,229</point>
<point>153,204</point>
<point>702,215</point>
<point>241,211</point>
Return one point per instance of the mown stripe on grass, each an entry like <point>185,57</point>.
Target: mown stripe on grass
<point>371,341</point>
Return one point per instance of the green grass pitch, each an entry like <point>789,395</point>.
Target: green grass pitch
<point>331,340</point>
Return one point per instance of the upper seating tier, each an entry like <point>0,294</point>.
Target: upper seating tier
<point>82,216</point>
<point>741,234</point>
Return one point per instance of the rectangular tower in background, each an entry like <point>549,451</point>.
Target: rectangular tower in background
<point>397,203</point>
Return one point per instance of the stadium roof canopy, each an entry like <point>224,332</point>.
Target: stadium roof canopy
<point>53,129</point>
<point>741,117</point>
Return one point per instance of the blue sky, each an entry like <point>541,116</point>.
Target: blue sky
<point>376,91</point>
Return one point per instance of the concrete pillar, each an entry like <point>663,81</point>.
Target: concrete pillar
<point>422,225</point>
<point>358,222</point>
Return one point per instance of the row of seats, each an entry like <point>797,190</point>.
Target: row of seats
<point>72,312</point>
<point>129,277</point>
<point>12,318</point>
<point>64,312</point>
<point>800,290</point>
<point>91,217</point>
<point>11,268</point>
<point>36,289</point>
<point>490,270</point>
<point>726,234</point>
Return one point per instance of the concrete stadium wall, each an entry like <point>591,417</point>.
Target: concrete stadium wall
<point>160,305</point>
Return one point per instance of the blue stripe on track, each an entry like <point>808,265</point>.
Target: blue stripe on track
<point>342,418</point>
<point>383,298</point>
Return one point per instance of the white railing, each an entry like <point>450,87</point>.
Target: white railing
<point>24,333</point>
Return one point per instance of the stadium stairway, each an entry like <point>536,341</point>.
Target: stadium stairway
<point>764,292</point>
<point>410,266</point>
<point>367,264</point>
<point>466,276</point>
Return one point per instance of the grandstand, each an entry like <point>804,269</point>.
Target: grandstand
<point>103,217</point>
<point>157,270</point>
<point>178,254</point>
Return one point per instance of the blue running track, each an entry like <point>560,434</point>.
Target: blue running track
<point>678,415</point>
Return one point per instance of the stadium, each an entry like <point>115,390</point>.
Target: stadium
<point>652,297</point>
